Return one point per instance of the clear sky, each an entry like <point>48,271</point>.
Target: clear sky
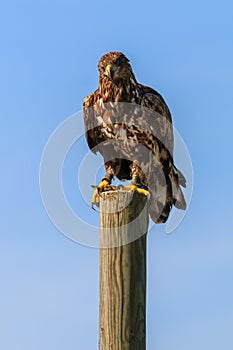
<point>49,55</point>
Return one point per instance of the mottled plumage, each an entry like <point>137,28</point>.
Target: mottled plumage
<point>129,123</point>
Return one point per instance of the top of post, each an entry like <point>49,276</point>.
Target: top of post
<point>123,217</point>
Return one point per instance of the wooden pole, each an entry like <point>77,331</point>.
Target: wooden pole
<point>124,224</point>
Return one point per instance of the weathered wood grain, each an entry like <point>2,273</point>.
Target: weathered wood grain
<point>123,271</point>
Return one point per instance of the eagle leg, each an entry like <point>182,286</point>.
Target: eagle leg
<point>136,183</point>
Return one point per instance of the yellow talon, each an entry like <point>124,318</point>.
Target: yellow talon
<point>104,185</point>
<point>137,189</point>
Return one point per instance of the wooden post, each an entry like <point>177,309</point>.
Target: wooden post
<point>124,224</point>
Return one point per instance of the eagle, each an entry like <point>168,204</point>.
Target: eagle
<point>130,125</point>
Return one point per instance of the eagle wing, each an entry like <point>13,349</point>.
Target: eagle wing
<point>164,177</point>
<point>89,122</point>
<point>155,102</point>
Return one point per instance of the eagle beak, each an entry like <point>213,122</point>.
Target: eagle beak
<point>109,71</point>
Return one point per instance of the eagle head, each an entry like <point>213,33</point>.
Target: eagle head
<point>116,67</point>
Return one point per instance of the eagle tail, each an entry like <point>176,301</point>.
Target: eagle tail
<point>165,194</point>
<point>177,179</point>
<point>181,178</point>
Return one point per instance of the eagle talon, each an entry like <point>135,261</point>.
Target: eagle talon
<point>95,199</point>
<point>136,188</point>
<point>93,206</point>
<point>102,187</point>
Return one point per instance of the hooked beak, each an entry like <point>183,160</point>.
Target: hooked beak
<point>110,71</point>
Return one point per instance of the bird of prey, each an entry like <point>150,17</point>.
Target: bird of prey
<point>130,125</point>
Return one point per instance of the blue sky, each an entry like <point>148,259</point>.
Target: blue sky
<point>49,55</point>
